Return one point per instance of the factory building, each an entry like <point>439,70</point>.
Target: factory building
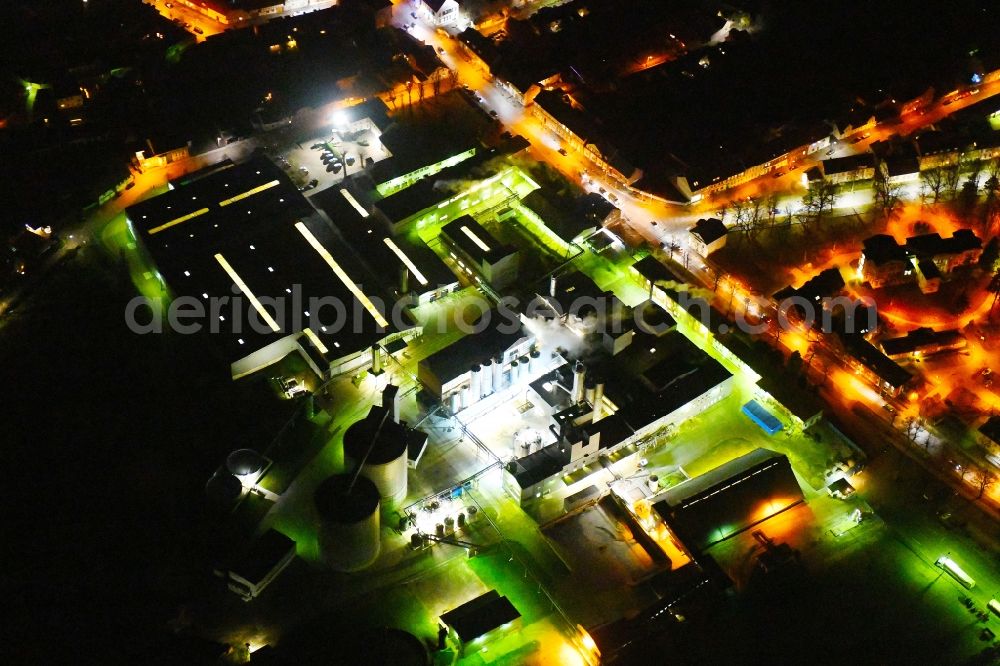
<point>575,301</point>
<point>433,197</point>
<point>260,565</point>
<point>251,254</point>
<point>701,320</point>
<point>475,622</point>
<point>479,365</point>
<point>477,251</point>
<point>728,499</point>
<point>404,265</point>
<point>603,408</point>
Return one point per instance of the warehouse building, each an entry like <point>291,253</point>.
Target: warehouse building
<point>729,499</point>
<point>267,273</point>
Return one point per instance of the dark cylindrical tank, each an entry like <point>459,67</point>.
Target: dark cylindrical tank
<point>349,522</point>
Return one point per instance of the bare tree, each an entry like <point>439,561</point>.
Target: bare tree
<point>817,202</point>
<point>951,174</point>
<point>671,246</point>
<point>985,481</point>
<point>932,183</point>
<point>991,204</point>
<point>771,203</point>
<point>722,212</point>
<point>717,276</point>
<point>789,215</point>
<point>888,195</point>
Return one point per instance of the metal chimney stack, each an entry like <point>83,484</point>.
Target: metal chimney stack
<point>579,374</point>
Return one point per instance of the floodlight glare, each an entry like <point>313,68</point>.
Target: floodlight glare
<point>339,119</point>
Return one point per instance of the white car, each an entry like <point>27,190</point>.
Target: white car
<point>293,387</point>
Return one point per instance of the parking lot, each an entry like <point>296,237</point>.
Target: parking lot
<point>323,160</point>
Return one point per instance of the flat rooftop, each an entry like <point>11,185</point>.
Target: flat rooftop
<point>431,190</point>
<point>247,231</point>
<point>383,254</point>
<point>656,376</point>
<point>263,555</point>
<point>472,349</point>
<point>473,239</point>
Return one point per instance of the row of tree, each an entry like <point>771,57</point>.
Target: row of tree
<point>981,179</point>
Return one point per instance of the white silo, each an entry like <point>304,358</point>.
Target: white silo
<point>378,445</point>
<point>525,362</point>
<point>534,361</point>
<point>513,373</point>
<point>487,374</point>
<point>497,374</point>
<point>475,383</point>
<point>348,509</point>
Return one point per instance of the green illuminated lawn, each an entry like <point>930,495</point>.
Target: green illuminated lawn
<point>117,240</point>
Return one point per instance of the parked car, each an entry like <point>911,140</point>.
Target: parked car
<point>294,388</point>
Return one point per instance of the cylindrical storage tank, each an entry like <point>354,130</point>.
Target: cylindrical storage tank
<point>349,522</point>
<point>465,397</point>
<point>372,647</point>
<point>449,525</point>
<point>497,374</point>
<point>456,402</point>
<point>654,482</point>
<point>534,361</point>
<point>223,490</point>
<point>589,389</point>
<point>386,462</point>
<point>245,464</point>
<point>460,522</point>
<point>439,530</point>
<point>416,541</point>
<point>487,381</point>
<point>513,373</point>
<point>523,363</point>
<point>475,383</point>
<point>473,513</point>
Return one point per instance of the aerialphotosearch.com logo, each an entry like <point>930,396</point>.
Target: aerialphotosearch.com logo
<point>242,313</point>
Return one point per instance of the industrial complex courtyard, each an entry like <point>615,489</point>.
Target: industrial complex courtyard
<point>467,332</point>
